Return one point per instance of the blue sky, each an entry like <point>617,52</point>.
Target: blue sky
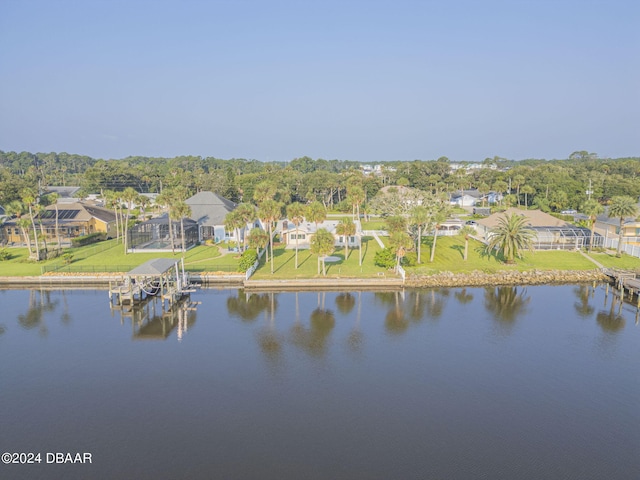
<point>349,80</point>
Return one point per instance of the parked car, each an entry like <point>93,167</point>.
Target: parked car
<point>473,223</point>
<point>569,212</point>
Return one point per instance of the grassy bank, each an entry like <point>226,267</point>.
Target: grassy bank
<point>109,256</point>
<point>284,263</point>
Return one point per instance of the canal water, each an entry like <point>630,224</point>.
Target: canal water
<point>498,383</point>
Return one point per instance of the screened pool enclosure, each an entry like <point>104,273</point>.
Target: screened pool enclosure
<point>154,235</point>
<point>564,238</point>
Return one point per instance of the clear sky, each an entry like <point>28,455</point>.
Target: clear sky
<point>350,80</point>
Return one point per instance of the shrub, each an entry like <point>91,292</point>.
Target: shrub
<point>344,206</point>
<point>68,258</point>
<point>87,239</point>
<point>4,255</point>
<point>247,259</point>
<point>410,259</point>
<point>385,258</point>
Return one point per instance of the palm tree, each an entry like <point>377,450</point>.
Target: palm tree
<point>143,202</point>
<point>29,199</point>
<point>356,196</point>
<point>322,244</point>
<point>181,210</point>
<point>527,190</point>
<point>419,216</point>
<point>592,208</point>
<point>233,222</point>
<point>247,213</point>
<point>518,180</point>
<point>621,207</point>
<point>166,199</point>
<point>129,195</point>
<point>466,231</point>
<point>264,191</point>
<point>500,186</point>
<point>25,225</point>
<point>53,198</point>
<point>346,228</point>
<point>111,200</point>
<point>316,213</point>
<point>269,212</point>
<point>510,236</point>
<point>295,212</point>
<point>396,224</point>
<point>400,241</point>
<point>439,215</point>
<point>258,239</point>
<point>17,208</point>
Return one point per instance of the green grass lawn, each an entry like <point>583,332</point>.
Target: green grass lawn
<point>450,253</point>
<point>284,263</point>
<point>377,224</point>
<point>609,259</point>
<point>110,256</point>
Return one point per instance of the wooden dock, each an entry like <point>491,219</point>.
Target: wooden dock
<point>160,277</point>
<point>627,282</point>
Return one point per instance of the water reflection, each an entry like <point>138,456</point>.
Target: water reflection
<point>436,301</point>
<point>395,321</point>
<point>609,320</point>
<point>355,339</point>
<point>149,321</point>
<point>506,303</point>
<point>463,296</point>
<point>582,306</point>
<point>39,303</point>
<point>345,302</point>
<point>315,339</point>
<point>248,306</point>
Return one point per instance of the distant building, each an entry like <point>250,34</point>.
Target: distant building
<point>609,227</point>
<point>66,194</point>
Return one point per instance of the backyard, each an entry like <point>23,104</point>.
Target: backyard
<point>108,256</point>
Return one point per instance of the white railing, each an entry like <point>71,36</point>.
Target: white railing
<point>402,273</point>
<point>630,245</point>
<point>254,267</point>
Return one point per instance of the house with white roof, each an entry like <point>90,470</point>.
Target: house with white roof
<point>304,232</point>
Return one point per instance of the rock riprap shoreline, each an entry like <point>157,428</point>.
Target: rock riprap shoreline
<point>482,279</point>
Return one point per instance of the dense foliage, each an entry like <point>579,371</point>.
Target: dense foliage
<point>247,259</point>
<point>551,185</point>
<point>88,239</point>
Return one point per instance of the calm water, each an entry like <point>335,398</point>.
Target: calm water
<point>501,383</point>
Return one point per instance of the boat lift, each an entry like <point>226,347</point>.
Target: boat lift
<point>160,277</point>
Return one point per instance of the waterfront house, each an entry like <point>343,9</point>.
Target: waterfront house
<point>551,233</point>
<point>609,227</point>
<point>73,220</point>
<point>306,230</point>
<point>209,210</point>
